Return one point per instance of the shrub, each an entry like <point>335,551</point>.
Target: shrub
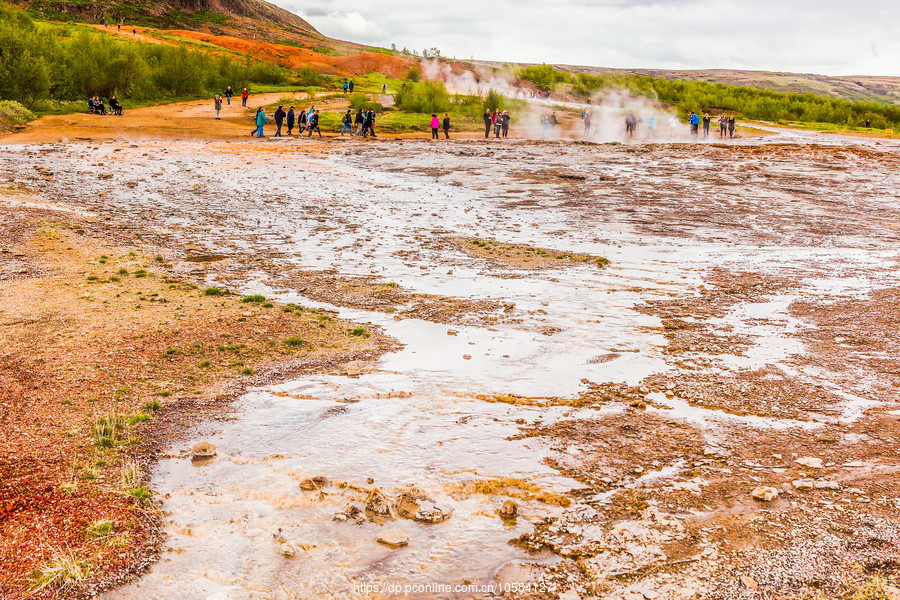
<point>13,114</point>
<point>296,342</point>
<point>423,97</point>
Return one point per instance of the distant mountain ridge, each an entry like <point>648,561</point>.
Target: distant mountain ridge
<point>252,17</point>
<point>858,88</point>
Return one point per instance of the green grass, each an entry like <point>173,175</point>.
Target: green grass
<point>99,529</point>
<point>152,406</point>
<point>214,291</point>
<point>141,494</point>
<point>296,342</point>
<point>106,429</point>
<point>255,298</point>
<point>138,418</point>
<point>63,572</point>
<point>359,332</point>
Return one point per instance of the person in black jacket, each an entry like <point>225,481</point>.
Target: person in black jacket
<point>115,106</point>
<point>313,124</point>
<point>279,119</point>
<point>359,121</point>
<point>504,123</point>
<point>487,123</point>
<point>446,124</point>
<point>291,119</point>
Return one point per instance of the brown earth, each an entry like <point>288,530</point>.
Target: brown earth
<point>95,333</point>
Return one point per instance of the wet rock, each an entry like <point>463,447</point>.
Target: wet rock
<point>288,550</point>
<point>509,510</point>
<point>393,537</point>
<point>411,505</point>
<point>353,512</point>
<point>313,483</point>
<point>764,493</point>
<point>452,332</point>
<point>429,512</point>
<point>517,573</point>
<point>378,504</point>
<point>810,461</point>
<point>467,357</point>
<point>203,450</point>
<point>827,485</point>
<point>804,484</point>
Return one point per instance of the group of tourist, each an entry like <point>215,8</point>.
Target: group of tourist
<point>95,105</point>
<point>307,121</point>
<point>497,121</point>
<point>726,125</point>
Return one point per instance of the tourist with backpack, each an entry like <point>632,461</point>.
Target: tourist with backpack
<point>261,121</point>
<point>217,104</point>
<point>279,119</point>
<point>347,121</point>
<point>291,119</point>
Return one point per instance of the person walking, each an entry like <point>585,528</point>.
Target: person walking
<point>347,121</point>
<point>504,124</point>
<point>695,124</point>
<point>359,121</point>
<point>586,120</point>
<point>384,88</point>
<point>291,119</point>
<point>651,126</point>
<point>487,123</point>
<point>261,121</point>
<point>435,126</point>
<point>313,124</point>
<point>228,94</point>
<point>244,95</point>
<point>706,121</point>
<point>279,119</point>
<point>731,125</point>
<point>446,124</point>
<point>217,104</point>
<point>369,123</point>
<point>301,122</point>
<point>552,120</point>
<point>346,87</point>
<point>350,86</point>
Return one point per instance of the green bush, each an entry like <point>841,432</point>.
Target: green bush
<point>361,101</point>
<point>423,97</point>
<point>52,62</point>
<point>13,114</point>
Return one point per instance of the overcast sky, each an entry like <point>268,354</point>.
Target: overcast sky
<point>831,37</point>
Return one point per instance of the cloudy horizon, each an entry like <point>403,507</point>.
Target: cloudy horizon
<point>828,37</point>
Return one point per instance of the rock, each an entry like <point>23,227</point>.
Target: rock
<point>429,512</point>
<point>517,573</point>
<point>452,332</point>
<point>378,504</point>
<point>393,537</point>
<point>313,483</point>
<point>749,582</point>
<point>407,505</point>
<point>467,356</point>
<point>804,484</point>
<point>764,493</point>
<point>810,461</point>
<point>509,510</point>
<point>827,485</point>
<point>203,450</point>
<point>287,550</point>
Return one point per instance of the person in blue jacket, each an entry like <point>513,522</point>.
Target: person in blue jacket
<point>261,121</point>
<point>695,124</point>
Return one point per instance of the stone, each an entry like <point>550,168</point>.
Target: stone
<point>509,510</point>
<point>378,504</point>
<point>764,493</point>
<point>288,550</point>
<point>393,537</point>
<point>452,332</point>
<point>313,483</point>
<point>517,573</point>
<point>827,485</point>
<point>749,582</point>
<point>203,450</point>
<point>804,484</point>
<point>429,512</point>
<point>810,461</point>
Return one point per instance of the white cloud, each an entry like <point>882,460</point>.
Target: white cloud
<point>832,37</point>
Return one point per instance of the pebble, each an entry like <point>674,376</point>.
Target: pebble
<point>393,537</point>
<point>764,493</point>
<point>810,461</point>
<point>804,484</point>
<point>203,450</point>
